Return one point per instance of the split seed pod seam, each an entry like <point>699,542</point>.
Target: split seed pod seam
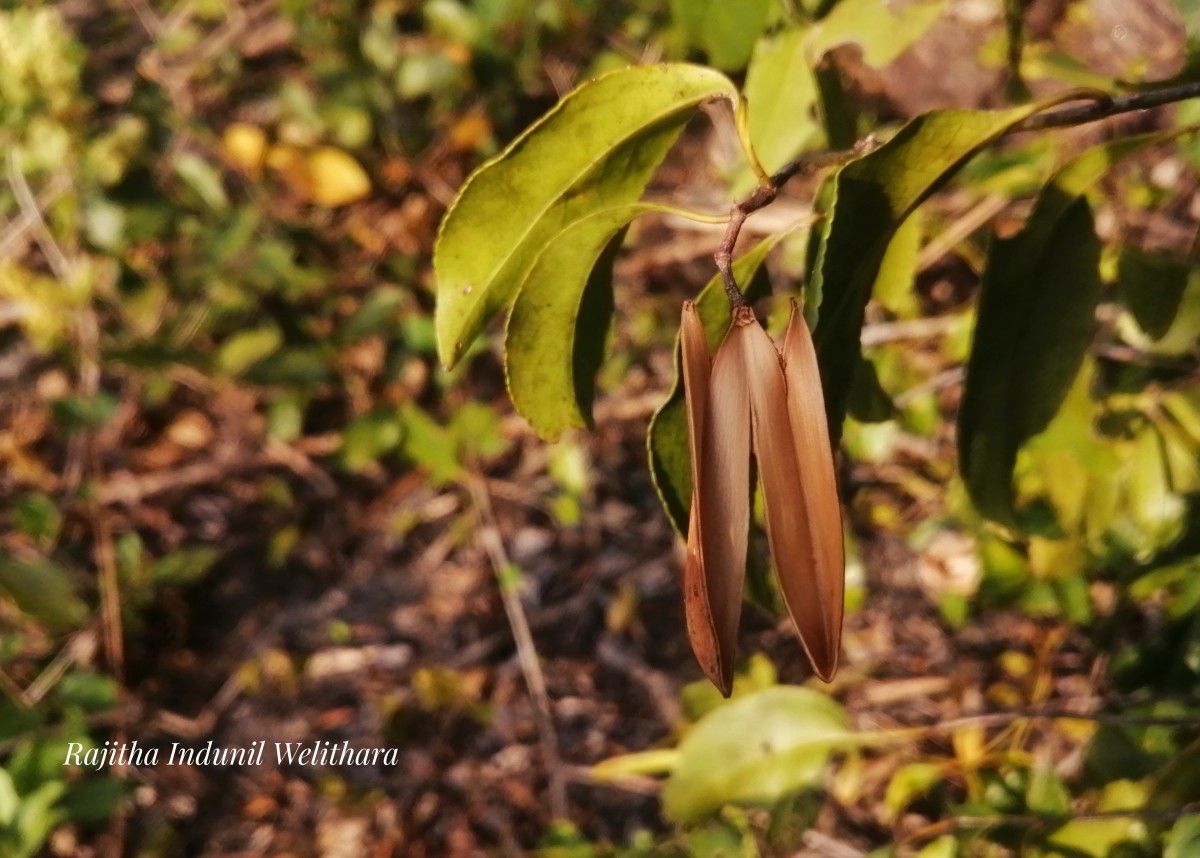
<point>748,399</point>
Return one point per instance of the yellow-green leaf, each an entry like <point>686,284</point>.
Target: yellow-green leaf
<point>781,99</point>
<point>556,331</point>
<point>883,32</point>
<point>756,750</point>
<point>595,150</point>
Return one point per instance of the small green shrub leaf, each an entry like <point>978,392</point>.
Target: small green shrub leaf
<point>596,150</point>
<point>42,590</point>
<point>245,348</point>
<point>755,750</point>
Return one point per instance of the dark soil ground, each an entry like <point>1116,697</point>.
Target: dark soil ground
<point>385,626</point>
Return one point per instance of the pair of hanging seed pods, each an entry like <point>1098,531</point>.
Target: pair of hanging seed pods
<point>752,398</point>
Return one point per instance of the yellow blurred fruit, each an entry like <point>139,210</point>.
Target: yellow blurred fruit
<point>245,145</point>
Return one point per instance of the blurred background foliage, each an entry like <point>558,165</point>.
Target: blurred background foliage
<point>216,349</point>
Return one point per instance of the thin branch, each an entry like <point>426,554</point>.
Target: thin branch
<point>1102,106</point>
<point>30,213</point>
<point>762,196</point>
<point>489,537</point>
<point>724,256</point>
<point>1046,820</point>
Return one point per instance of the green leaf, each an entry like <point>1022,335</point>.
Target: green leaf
<point>38,516</point>
<point>882,32</point>
<point>1036,315</point>
<point>91,692</point>
<point>667,440</point>
<point>184,566</point>
<point>1046,793</point>
<point>369,437</point>
<point>898,271</point>
<point>428,444</point>
<point>1152,287</point>
<point>42,590</point>
<point>869,200</point>
<point>1097,837</point>
<point>377,314</point>
<point>908,783</point>
<point>1184,838</point>
<point>95,802</point>
<point>868,401</point>
<point>203,178</point>
<point>555,338</point>
<point>1177,784</point>
<point>755,750</point>
<point>38,815</point>
<point>245,348</point>
<point>73,413</point>
<point>595,150</point>
<point>781,99</point>
<point>725,31</point>
<point>945,846</point>
<point>9,799</point>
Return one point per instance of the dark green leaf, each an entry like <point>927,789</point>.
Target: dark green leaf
<point>73,413</point>
<point>95,801</point>
<point>871,197</point>
<point>1152,287</point>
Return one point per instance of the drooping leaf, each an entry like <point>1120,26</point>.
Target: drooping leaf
<point>595,150</point>
<point>667,439</point>
<point>870,198</point>
<point>555,338</point>
<point>1036,314</point>
<point>1036,311</point>
<point>754,751</point>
